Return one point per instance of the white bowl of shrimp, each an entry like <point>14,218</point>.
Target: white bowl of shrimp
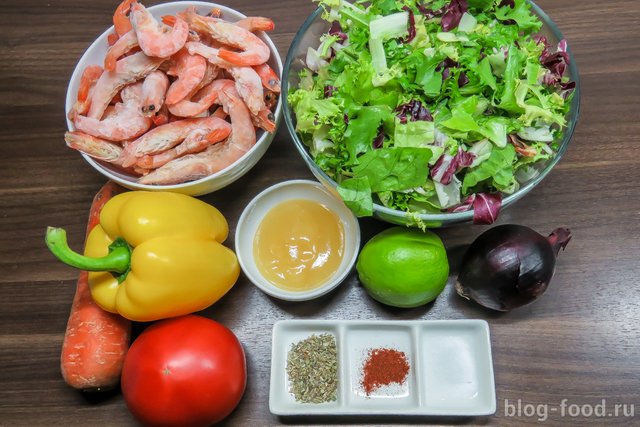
<point>181,96</point>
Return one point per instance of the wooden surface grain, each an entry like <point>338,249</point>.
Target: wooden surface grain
<point>578,344</point>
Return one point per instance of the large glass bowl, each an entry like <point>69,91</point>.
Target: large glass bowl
<point>309,35</point>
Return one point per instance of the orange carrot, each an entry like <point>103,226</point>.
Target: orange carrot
<point>96,341</point>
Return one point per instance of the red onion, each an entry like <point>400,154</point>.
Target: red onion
<point>509,266</point>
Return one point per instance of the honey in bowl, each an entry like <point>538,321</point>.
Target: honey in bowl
<point>299,245</point>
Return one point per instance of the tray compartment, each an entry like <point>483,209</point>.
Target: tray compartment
<point>359,339</point>
<point>456,368</point>
<point>286,334</point>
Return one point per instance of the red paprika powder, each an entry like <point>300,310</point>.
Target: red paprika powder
<point>384,366</point>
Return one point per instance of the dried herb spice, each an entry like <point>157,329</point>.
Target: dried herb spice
<point>312,369</point>
<point>384,366</point>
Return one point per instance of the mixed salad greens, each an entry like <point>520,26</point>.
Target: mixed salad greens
<point>433,105</point>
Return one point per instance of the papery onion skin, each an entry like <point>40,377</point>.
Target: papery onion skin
<point>509,266</point>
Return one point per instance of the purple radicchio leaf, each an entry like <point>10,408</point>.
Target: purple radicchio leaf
<point>486,207</point>
<point>445,67</point>
<point>549,79</point>
<point>412,25</point>
<point>556,63</point>
<point>510,3</point>
<point>464,206</point>
<point>542,39</point>
<point>378,142</point>
<point>447,63</point>
<point>336,30</point>
<point>447,166</point>
<point>567,88</point>
<point>430,13</point>
<point>463,79</point>
<point>453,14</point>
<point>329,90</point>
<point>345,118</point>
<point>413,111</point>
<point>440,167</point>
<point>562,45</point>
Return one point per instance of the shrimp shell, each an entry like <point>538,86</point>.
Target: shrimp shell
<point>165,137</point>
<point>128,70</point>
<point>253,50</point>
<point>156,39</point>
<point>217,157</point>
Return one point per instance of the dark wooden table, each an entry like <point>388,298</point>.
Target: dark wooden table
<point>579,344</point>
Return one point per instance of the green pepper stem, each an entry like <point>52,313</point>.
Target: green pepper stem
<point>118,260</point>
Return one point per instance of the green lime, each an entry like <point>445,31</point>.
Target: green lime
<point>403,267</point>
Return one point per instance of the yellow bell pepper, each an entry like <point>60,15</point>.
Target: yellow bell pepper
<point>154,255</point>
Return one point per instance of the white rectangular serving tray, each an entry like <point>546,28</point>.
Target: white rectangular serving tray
<point>451,370</point>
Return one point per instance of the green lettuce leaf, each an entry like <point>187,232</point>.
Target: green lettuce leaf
<point>394,168</point>
<point>538,107</point>
<point>414,134</point>
<point>311,110</point>
<point>363,128</point>
<point>356,193</point>
<point>495,129</point>
<point>462,121</point>
<point>426,75</point>
<point>521,14</point>
<point>511,78</point>
<point>486,74</point>
<point>498,168</point>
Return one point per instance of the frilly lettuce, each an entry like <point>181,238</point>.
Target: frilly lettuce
<point>477,81</point>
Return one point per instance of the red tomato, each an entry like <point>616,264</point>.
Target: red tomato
<point>185,371</point>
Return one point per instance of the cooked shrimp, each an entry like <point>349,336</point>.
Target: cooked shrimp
<point>201,101</point>
<point>165,137</point>
<point>216,157</point>
<point>270,99</point>
<point>94,147</point>
<point>264,120</point>
<point>215,13</point>
<point>210,75</point>
<point>154,90</point>
<point>161,117</point>
<point>248,82</point>
<point>253,50</point>
<point>196,141</point>
<point>110,111</point>
<point>190,70</point>
<point>249,87</point>
<point>270,79</point>
<point>128,70</point>
<point>256,23</point>
<point>156,39</point>
<point>90,75</point>
<point>126,122</point>
<point>123,45</point>
<point>207,52</point>
<point>219,113</point>
<point>112,38</point>
<point>121,22</point>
